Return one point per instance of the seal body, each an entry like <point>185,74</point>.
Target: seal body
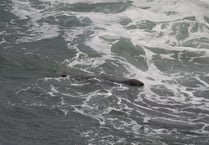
<point>129,82</point>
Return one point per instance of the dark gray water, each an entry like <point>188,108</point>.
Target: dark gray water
<point>163,43</point>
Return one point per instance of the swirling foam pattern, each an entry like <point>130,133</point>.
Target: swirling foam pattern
<point>163,43</point>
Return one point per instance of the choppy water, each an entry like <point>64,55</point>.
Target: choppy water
<point>164,43</point>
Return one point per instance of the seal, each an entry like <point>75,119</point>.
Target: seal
<point>64,74</point>
<point>129,82</point>
<point>132,82</point>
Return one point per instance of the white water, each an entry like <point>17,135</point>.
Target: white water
<point>107,29</point>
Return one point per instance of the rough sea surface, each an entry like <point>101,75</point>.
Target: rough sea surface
<point>164,43</point>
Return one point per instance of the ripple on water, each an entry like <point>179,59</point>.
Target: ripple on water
<point>159,43</point>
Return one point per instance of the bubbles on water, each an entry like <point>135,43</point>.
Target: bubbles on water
<point>163,43</point>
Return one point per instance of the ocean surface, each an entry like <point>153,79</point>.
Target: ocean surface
<point>164,43</point>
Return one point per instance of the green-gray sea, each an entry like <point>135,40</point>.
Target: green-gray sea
<point>164,44</point>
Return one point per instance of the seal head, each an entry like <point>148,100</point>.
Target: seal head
<point>64,74</point>
<point>133,82</point>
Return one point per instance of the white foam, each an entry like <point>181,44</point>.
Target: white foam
<point>24,10</point>
<point>3,41</point>
<point>81,1</point>
<point>53,91</point>
<point>106,31</point>
<point>22,90</point>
